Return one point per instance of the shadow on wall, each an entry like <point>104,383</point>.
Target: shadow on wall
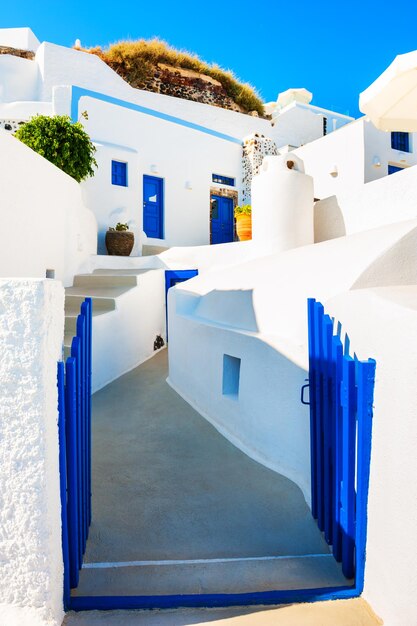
<point>328,220</point>
<point>397,266</point>
<point>250,392</point>
<point>230,307</point>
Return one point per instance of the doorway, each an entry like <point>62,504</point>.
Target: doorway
<point>221,219</point>
<point>153,207</point>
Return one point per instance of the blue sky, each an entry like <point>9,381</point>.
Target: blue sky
<point>334,49</point>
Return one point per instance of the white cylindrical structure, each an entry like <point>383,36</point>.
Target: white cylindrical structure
<point>282,205</point>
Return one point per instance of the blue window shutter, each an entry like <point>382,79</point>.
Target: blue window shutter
<point>119,173</point>
<point>400,141</point>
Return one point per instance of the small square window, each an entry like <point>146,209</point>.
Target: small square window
<point>400,141</point>
<point>223,180</point>
<point>231,376</point>
<point>119,173</point>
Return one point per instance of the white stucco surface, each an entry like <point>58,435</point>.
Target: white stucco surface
<point>257,311</point>
<point>46,223</point>
<point>382,324</point>
<point>19,79</point>
<point>177,154</point>
<point>124,338</point>
<point>384,201</point>
<point>343,162</point>
<point>282,205</point>
<point>184,158</point>
<point>31,568</point>
<point>22,38</point>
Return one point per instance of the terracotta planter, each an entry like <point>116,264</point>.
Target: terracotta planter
<point>119,242</point>
<point>244,227</point>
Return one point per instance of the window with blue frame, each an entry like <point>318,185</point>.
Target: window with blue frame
<point>223,180</point>
<point>119,173</point>
<point>400,141</point>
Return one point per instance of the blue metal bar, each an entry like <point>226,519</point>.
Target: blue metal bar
<point>72,471</point>
<point>75,353</point>
<point>327,428</point>
<point>318,357</point>
<point>89,319</point>
<point>365,382</point>
<point>347,515</point>
<point>63,481</point>
<point>81,333</point>
<point>312,381</point>
<point>337,365</point>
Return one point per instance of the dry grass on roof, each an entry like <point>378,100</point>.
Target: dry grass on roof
<point>136,61</point>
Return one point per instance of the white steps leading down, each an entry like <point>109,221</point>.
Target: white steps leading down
<point>128,316</point>
<point>104,287</point>
<point>211,576</point>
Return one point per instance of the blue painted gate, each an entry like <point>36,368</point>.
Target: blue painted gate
<point>74,424</point>
<point>341,395</point>
<point>153,207</point>
<point>221,219</point>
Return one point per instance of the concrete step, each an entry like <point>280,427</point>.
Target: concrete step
<point>105,280</point>
<point>73,304</point>
<point>71,319</point>
<point>123,272</point>
<point>97,292</point>
<point>210,576</point>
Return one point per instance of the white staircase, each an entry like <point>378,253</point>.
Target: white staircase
<point>118,296</point>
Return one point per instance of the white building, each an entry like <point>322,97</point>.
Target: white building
<point>246,312</point>
<point>169,167</point>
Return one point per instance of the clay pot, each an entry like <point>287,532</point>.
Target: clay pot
<point>244,227</point>
<point>119,242</point>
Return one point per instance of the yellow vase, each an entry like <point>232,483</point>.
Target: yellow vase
<point>244,227</point>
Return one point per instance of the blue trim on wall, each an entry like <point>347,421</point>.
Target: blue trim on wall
<point>173,277</point>
<point>109,603</point>
<point>78,92</point>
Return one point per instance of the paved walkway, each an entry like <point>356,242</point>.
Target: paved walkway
<point>168,487</point>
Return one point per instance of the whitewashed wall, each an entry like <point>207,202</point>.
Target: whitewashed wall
<point>340,153</point>
<point>296,126</point>
<point>19,79</point>
<point>384,201</point>
<point>45,222</point>
<point>113,203</point>
<point>257,311</point>
<point>343,161</point>
<point>129,332</point>
<point>66,66</point>
<point>378,144</point>
<point>390,569</point>
<point>31,567</point>
<point>22,38</point>
<point>185,158</point>
<point>175,153</point>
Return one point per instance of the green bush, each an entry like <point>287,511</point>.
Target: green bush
<point>63,143</point>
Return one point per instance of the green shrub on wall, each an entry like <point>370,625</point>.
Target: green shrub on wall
<point>63,143</point>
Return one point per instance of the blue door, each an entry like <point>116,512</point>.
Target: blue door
<point>153,207</point>
<point>221,218</point>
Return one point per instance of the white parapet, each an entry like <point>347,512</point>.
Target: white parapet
<point>282,205</point>
<point>21,38</point>
<point>31,333</point>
